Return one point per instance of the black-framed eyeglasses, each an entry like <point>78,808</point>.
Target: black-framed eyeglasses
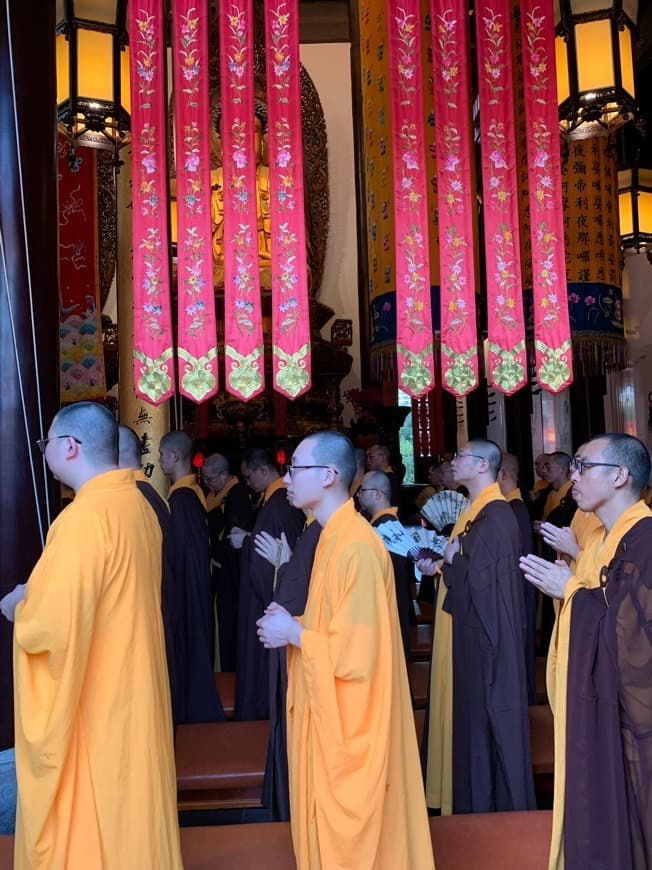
<point>42,443</point>
<point>372,489</point>
<point>580,465</point>
<point>460,454</point>
<point>293,468</point>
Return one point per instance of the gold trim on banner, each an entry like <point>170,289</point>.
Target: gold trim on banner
<point>292,375</point>
<point>245,377</point>
<point>154,380</point>
<point>198,379</point>
<point>508,372</point>
<point>416,377</point>
<point>555,369</point>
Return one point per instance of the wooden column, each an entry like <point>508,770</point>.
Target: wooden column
<point>29,306</point>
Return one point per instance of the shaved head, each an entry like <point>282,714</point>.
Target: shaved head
<point>94,427</point>
<point>179,442</point>
<point>510,464</point>
<point>130,449</point>
<point>378,480</point>
<point>216,464</point>
<point>490,451</point>
<point>334,449</point>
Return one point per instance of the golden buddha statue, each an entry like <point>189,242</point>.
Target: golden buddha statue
<point>262,212</point>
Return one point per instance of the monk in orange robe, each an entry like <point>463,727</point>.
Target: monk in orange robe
<point>94,752</point>
<point>356,792</point>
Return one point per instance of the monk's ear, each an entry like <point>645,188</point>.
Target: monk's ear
<point>622,477</point>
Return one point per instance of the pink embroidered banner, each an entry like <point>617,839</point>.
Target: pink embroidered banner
<point>153,343</point>
<point>290,312</point>
<point>455,194</point>
<point>196,328</point>
<point>414,336</point>
<point>506,323</point>
<point>243,338</point>
<point>552,337</point>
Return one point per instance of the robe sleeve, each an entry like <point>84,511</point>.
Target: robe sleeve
<point>343,669</point>
<point>53,632</point>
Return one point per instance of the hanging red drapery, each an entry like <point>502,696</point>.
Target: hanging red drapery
<point>455,194</point>
<point>243,338</point>
<point>505,320</point>
<point>552,338</point>
<point>196,332</point>
<point>153,343</point>
<point>414,337</point>
<point>290,310</point>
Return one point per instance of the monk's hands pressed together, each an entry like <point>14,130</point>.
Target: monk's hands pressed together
<point>236,537</point>
<point>275,550</point>
<point>452,549</point>
<point>11,600</point>
<point>563,540</point>
<point>550,577</point>
<point>277,628</point>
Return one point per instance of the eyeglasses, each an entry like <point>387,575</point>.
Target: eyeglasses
<point>42,443</point>
<point>371,489</point>
<point>460,454</point>
<point>579,465</point>
<point>293,468</point>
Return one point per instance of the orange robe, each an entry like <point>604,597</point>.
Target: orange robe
<point>94,752</point>
<point>356,792</point>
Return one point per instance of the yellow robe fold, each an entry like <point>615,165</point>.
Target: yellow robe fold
<point>94,754</point>
<point>439,768</point>
<point>598,551</point>
<point>356,791</point>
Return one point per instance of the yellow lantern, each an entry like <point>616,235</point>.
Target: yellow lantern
<point>635,207</point>
<point>595,68</point>
<point>93,72</point>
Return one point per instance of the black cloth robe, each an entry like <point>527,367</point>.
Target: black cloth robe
<point>530,598</point>
<point>292,582</point>
<point>171,600</point>
<point>236,509</point>
<point>404,580</point>
<point>491,737</point>
<point>192,572</point>
<point>256,590</point>
<point>608,801</point>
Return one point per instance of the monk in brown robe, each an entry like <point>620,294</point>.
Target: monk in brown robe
<point>356,793</point>
<point>275,516</point>
<point>290,591</point>
<point>94,754</point>
<point>600,682</point>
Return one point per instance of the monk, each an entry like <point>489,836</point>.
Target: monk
<point>228,504</point>
<point>290,591</point>
<point>356,793</point>
<point>192,572</point>
<point>130,456</point>
<point>484,597</point>
<point>275,515</point>
<point>94,754</point>
<point>599,682</point>
<point>374,501</point>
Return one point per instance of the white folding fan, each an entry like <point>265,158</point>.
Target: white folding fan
<point>443,508</point>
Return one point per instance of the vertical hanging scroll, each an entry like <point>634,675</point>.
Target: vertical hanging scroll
<point>552,338</point>
<point>506,323</point>
<point>414,335</point>
<point>196,333</point>
<point>243,329</point>
<point>290,311</point>
<point>153,343</point>
<point>455,194</point>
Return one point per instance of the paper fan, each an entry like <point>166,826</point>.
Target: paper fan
<point>396,538</point>
<point>443,508</point>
